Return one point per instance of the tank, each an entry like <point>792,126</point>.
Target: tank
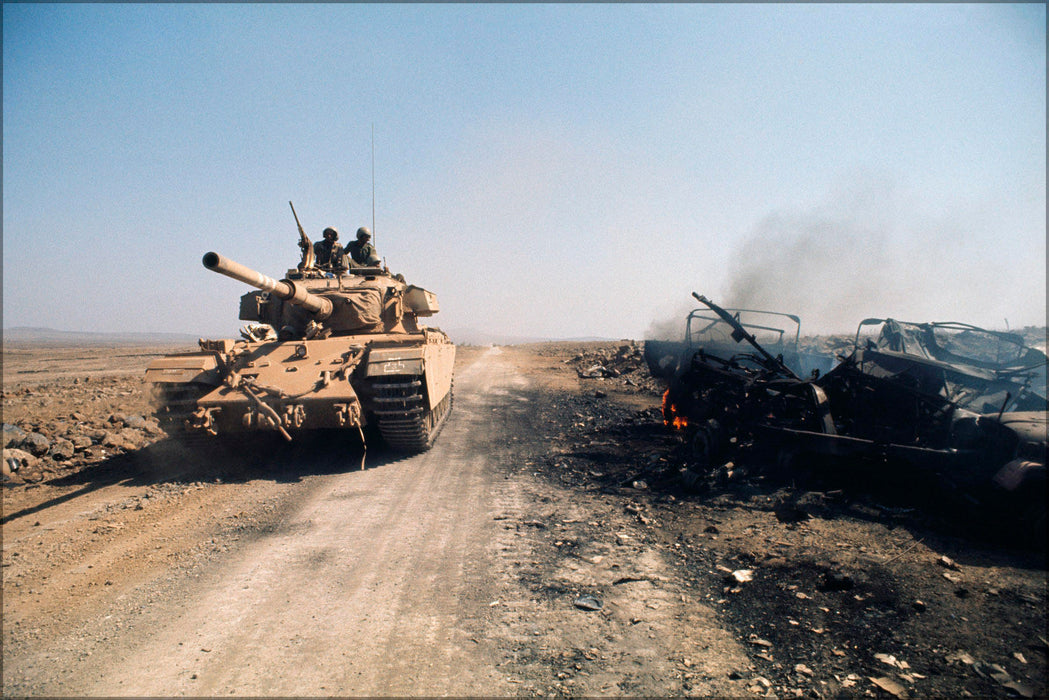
<point>326,349</point>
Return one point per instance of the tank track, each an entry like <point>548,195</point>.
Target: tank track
<point>404,421</point>
<point>174,404</point>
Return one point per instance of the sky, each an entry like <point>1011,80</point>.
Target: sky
<point>548,170</point>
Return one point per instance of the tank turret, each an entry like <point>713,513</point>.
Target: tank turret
<point>317,303</point>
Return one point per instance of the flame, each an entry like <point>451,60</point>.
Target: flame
<point>679,422</point>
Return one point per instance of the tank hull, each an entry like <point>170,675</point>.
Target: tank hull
<point>400,383</point>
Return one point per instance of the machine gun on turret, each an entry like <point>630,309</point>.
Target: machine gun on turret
<point>308,256</point>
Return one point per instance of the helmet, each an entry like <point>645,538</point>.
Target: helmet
<point>363,232</point>
<point>333,232</point>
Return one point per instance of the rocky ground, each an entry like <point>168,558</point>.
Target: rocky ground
<point>68,408</point>
<point>835,588</point>
<point>831,589</point>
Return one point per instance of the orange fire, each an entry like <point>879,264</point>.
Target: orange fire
<point>678,422</point>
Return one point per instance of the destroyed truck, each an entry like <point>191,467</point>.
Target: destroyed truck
<point>950,404</point>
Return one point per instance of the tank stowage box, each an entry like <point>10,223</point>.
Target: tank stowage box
<point>422,302</point>
<point>327,349</point>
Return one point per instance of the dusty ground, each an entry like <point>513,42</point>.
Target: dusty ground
<point>547,545</point>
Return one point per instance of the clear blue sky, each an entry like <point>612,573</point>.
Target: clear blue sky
<point>547,170</point>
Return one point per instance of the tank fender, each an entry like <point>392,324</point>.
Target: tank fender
<point>198,367</point>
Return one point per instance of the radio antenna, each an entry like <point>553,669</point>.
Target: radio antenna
<point>373,182</point>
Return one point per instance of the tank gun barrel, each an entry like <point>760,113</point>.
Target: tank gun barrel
<point>319,306</point>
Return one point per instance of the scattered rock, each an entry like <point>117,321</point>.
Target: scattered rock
<point>132,438</point>
<point>892,661</point>
<point>112,440</point>
<point>992,671</point>
<point>960,656</point>
<point>62,449</point>
<point>889,686</point>
<point>137,422</point>
<point>588,602</point>
<point>742,575</point>
<point>13,435</point>
<point>22,458</point>
<point>81,442</point>
<point>36,443</point>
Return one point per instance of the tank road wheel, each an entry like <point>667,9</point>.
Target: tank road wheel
<point>406,425</point>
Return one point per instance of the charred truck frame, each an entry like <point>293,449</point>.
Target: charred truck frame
<point>954,404</point>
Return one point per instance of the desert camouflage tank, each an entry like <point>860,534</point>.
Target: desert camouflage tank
<point>327,349</point>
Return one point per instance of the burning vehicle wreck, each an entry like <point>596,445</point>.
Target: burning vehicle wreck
<point>949,405</point>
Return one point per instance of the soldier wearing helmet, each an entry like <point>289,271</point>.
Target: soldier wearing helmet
<point>328,253</point>
<point>361,252</point>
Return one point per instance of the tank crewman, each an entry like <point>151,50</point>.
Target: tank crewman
<point>361,252</point>
<point>328,253</point>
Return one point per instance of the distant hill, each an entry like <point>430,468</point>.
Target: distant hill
<point>50,336</point>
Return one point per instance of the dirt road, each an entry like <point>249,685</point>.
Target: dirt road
<point>311,576</point>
